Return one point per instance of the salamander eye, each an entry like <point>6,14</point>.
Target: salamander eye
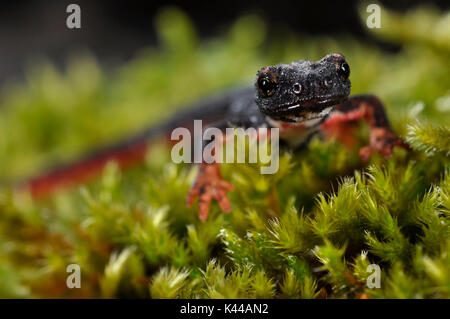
<point>344,71</point>
<point>266,87</point>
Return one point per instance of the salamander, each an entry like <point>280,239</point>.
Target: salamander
<point>300,98</point>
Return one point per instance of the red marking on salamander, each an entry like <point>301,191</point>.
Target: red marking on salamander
<point>84,170</point>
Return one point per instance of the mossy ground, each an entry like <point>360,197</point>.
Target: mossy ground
<point>308,231</point>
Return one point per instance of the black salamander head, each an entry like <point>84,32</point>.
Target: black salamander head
<point>303,90</point>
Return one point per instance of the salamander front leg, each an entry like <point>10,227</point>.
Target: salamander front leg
<point>369,108</point>
<point>208,185</point>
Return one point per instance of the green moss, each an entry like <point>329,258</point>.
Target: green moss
<point>309,230</point>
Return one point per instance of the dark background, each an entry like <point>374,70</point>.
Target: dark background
<point>114,30</point>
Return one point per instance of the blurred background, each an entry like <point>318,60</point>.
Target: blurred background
<point>114,30</point>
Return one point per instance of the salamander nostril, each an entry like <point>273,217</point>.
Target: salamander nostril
<point>297,88</point>
<point>328,82</point>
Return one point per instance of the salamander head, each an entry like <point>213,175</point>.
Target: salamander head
<point>303,90</point>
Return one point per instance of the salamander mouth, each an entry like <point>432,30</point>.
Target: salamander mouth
<point>307,109</point>
<point>305,117</point>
